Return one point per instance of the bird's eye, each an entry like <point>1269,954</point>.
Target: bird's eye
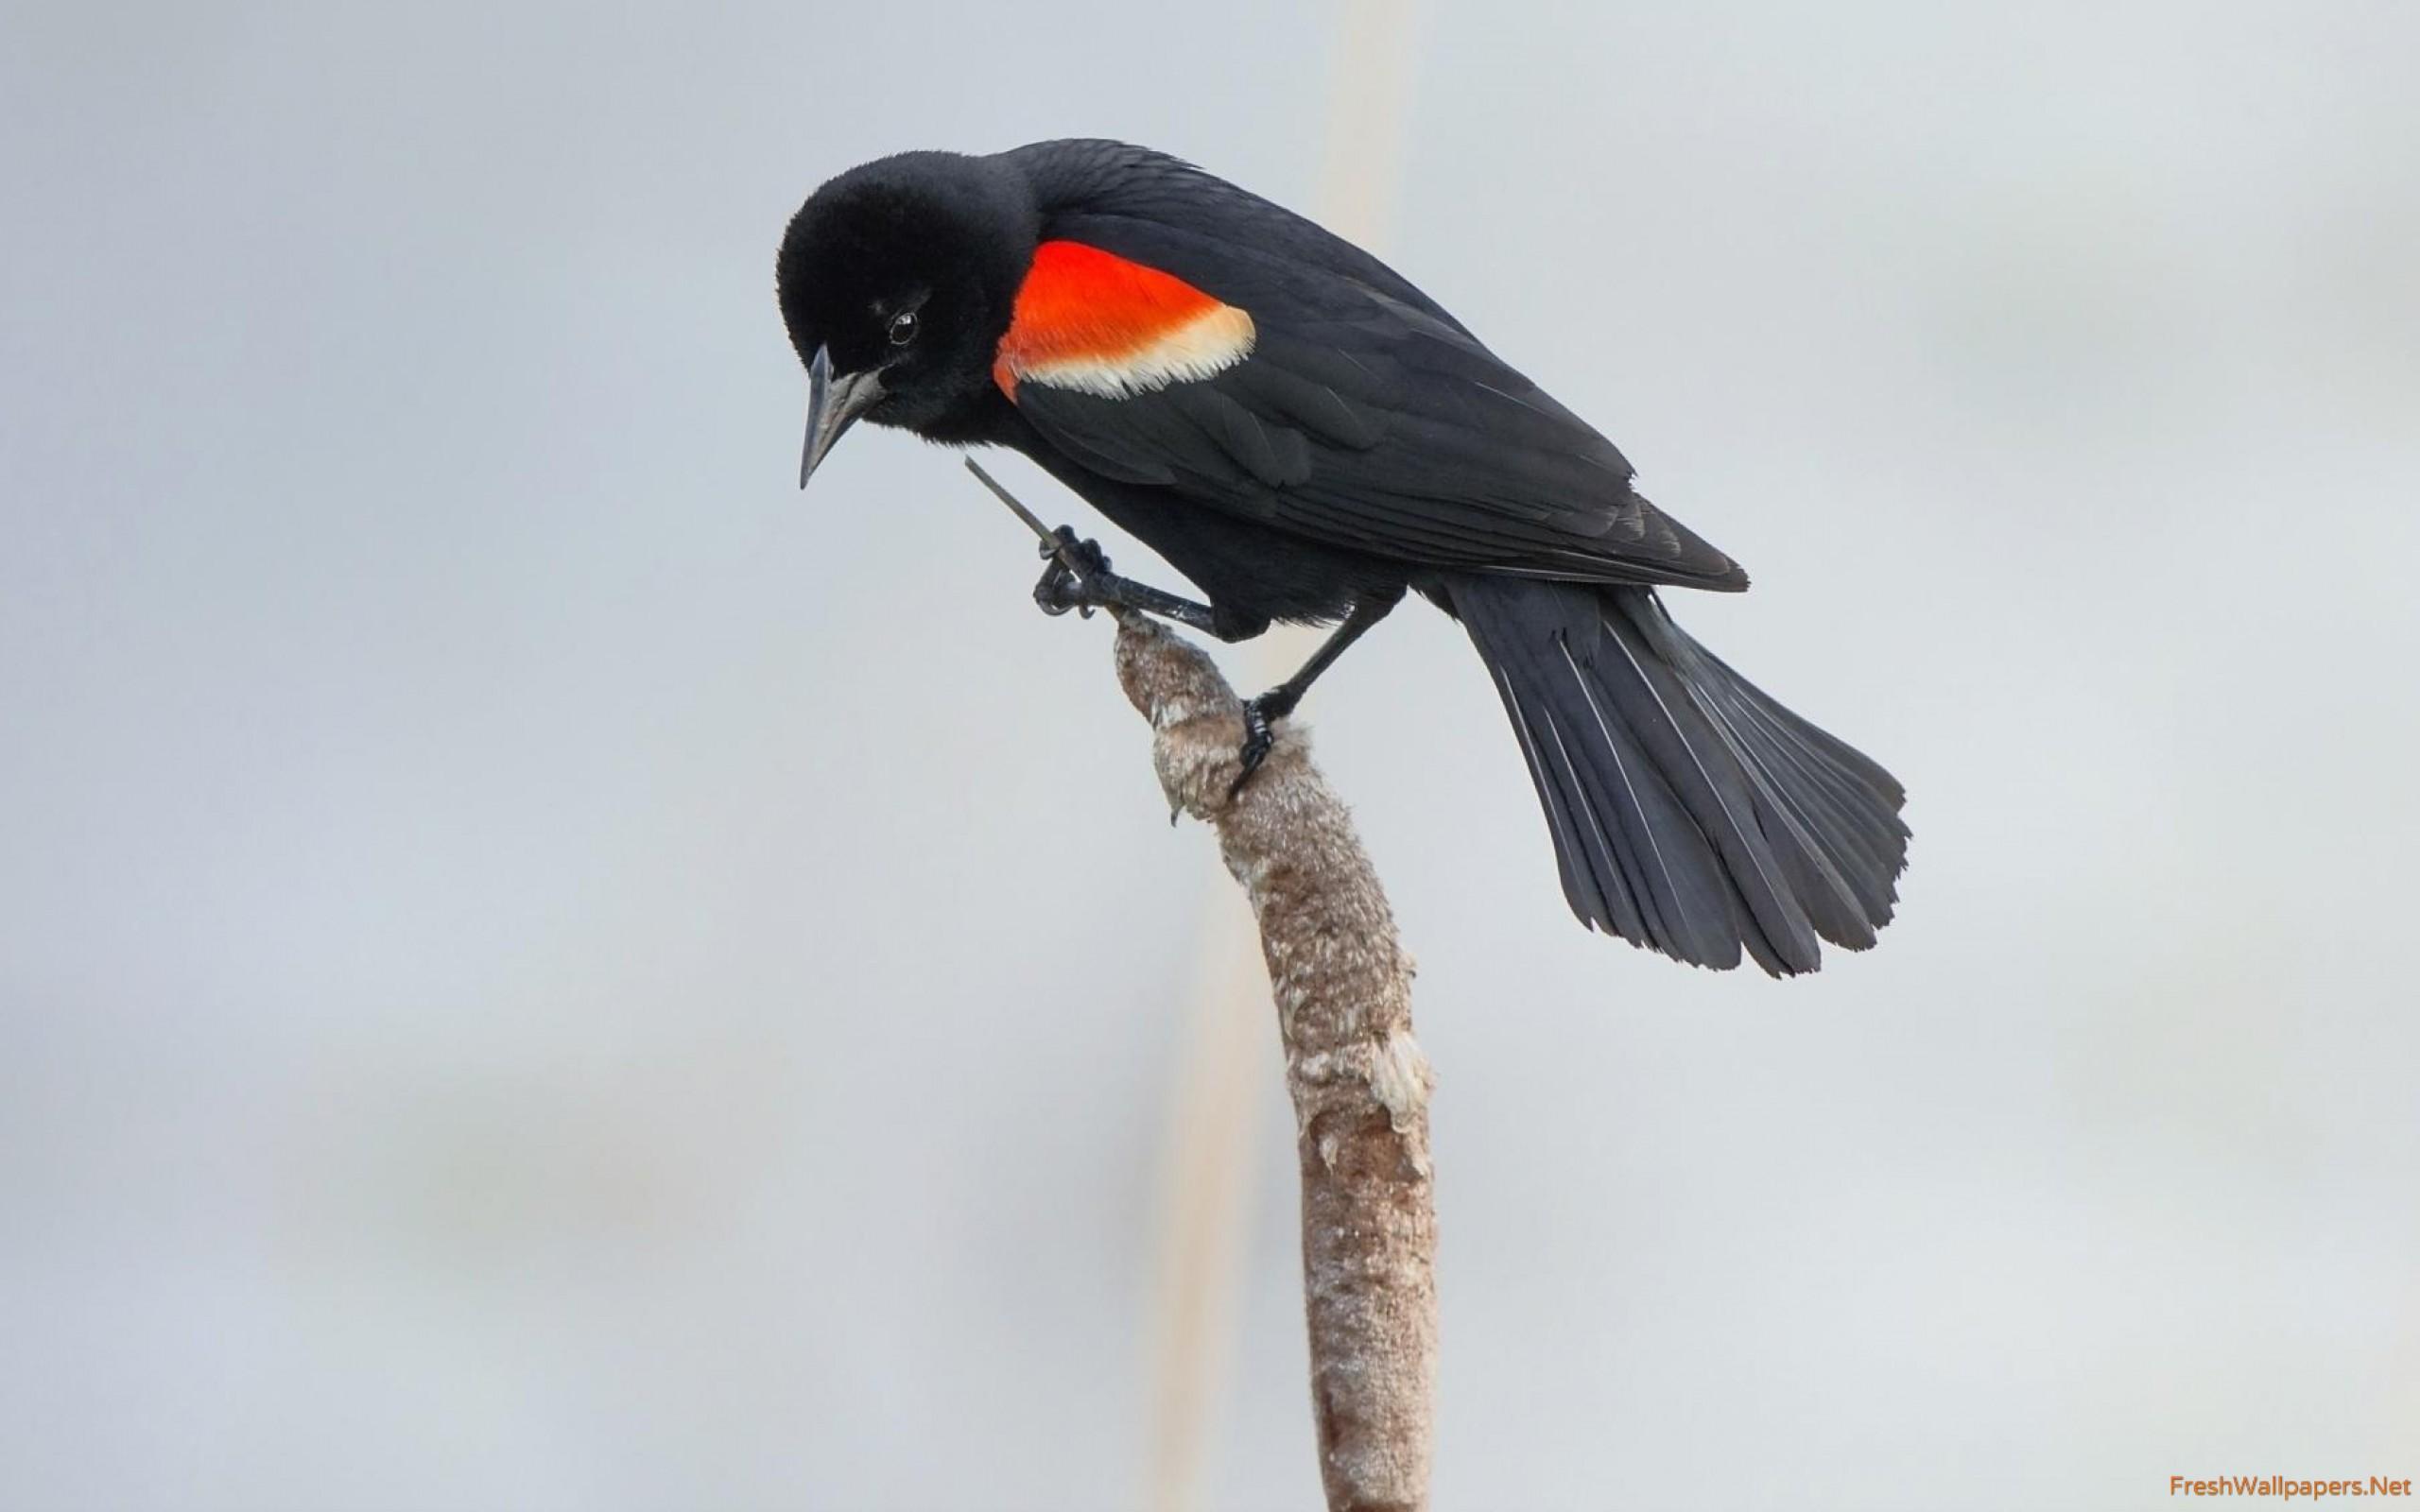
<point>902,328</point>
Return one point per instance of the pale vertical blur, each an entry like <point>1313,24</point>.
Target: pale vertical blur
<point>1208,1193</point>
<point>540,967</point>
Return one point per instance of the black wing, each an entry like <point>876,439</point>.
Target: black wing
<point>1365,416</point>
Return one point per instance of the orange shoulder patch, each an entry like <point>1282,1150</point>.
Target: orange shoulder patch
<point>1094,322</point>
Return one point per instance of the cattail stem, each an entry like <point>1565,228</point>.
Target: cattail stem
<point>1359,1083</point>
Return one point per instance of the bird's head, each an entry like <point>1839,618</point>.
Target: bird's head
<point>897,280</point>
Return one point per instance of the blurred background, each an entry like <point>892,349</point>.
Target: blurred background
<point>540,967</point>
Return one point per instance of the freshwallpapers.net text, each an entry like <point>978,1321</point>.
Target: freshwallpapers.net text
<point>2286,1487</point>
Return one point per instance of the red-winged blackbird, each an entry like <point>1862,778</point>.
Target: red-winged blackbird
<point>1305,434</point>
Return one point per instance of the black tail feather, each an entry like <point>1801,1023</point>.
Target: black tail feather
<point>1691,814</point>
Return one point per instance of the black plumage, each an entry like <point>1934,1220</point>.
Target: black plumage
<point>1349,441</point>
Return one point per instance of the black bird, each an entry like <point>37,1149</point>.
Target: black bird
<point>1305,434</point>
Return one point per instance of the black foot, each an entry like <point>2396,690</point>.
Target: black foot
<point>1064,588</point>
<point>1257,739</point>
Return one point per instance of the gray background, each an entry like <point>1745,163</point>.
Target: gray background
<point>540,967</point>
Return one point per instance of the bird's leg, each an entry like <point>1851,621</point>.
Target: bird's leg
<point>1078,578</point>
<point>1279,701</point>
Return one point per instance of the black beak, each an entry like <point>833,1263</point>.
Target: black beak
<point>833,404</point>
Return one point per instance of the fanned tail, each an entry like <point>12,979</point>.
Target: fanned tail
<point>1691,814</point>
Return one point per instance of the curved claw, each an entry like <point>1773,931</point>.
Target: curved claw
<point>1053,592</point>
<point>1061,587</point>
<point>1257,739</point>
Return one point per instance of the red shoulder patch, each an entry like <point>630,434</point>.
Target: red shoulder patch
<point>1093,321</point>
